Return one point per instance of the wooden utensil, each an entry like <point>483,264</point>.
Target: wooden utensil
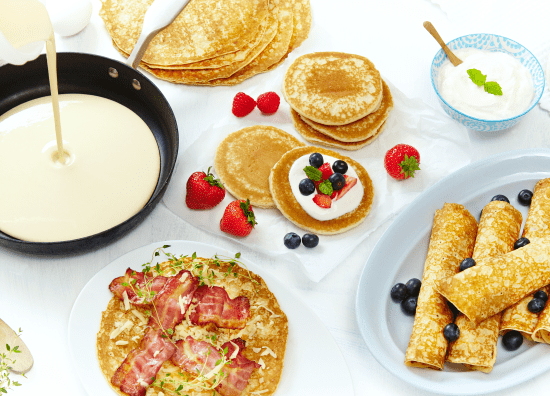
<point>452,57</point>
<point>23,361</point>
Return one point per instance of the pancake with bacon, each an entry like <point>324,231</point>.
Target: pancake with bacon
<point>194,325</point>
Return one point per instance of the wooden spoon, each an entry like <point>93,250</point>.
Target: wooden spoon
<point>23,361</point>
<point>452,57</point>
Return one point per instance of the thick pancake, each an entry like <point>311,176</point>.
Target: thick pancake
<point>315,137</point>
<point>361,129</point>
<point>267,326</point>
<point>333,88</point>
<point>244,160</point>
<point>205,29</point>
<point>291,209</point>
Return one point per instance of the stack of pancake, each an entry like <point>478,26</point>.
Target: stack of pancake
<point>212,42</point>
<point>337,99</point>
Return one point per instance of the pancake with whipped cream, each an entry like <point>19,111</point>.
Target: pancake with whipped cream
<point>333,88</point>
<point>350,210</point>
<point>244,160</point>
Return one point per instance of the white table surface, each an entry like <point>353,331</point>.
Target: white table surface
<point>37,293</point>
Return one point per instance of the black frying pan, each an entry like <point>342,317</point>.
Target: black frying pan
<point>94,75</point>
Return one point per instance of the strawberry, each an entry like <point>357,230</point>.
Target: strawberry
<point>402,161</point>
<point>268,102</point>
<point>326,170</point>
<point>350,182</point>
<point>203,191</point>
<point>243,104</point>
<point>322,200</point>
<point>238,218</point>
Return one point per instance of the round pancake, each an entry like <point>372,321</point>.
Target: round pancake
<point>244,160</point>
<point>333,88</point>
<point>315,137</point>
<point>291,209</point>
<point>361,129</point>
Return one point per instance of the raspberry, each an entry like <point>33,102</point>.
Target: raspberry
<point>268,102</point>
<point>242,104</point>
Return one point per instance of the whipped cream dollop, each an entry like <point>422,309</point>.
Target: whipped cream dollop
<point>458,90</point>
<point>346,204</point>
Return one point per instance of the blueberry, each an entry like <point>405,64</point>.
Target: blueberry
<point>310,240</point>
<point>292,240</point>
<point>541,294</point>
<point>340,166</point>
<point>536,305</point>
<point>408,306</point>
<point>524,197</point>
<point>398,292</point>
<point>413,287</point>
<point>453,309</point>
<point>466,263</point>
<point>500,197</point>
<point>316,160</point>
<point>337,180</point>
<point>521,242</point>
<point>451,332</point>
<point>512,340</point>
<point>307,187</point>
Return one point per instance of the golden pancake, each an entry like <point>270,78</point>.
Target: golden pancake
<point>267,326</point>
<point>205,28</point>
<point>361,129</point>
<point>288,205</point>
<point>244,160</point>
<point>315,137</point>
<point>333,88</point>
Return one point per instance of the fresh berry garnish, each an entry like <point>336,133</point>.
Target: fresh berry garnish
<point>398,292</point>
<point>242,104</point>
<point>451,332</point>
<point>337,180</point>
<point>500,197</point>
<point>307,187</point>
<point>316,160</point>
<point>541,294</point>
<point>524,197</point>
<point>402,161</point>
<point>350,182</point>
<point>413,286</point>
<point>466,263</point>
<point>340,166</point>
<point>322,200</point>
<point>238,218</point>
<point>536,305</point>
<point>408,305</point>
<point>203,191</point>
<point>521,242</point>
<point>453,309</point>
<point>268,102</point>
<point>310,240</point>
<point>292,240</point>
<point>326,170</point>
<point>512,340</point>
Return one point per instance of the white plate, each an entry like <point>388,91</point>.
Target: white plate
<point>400,255</point>
<point>312,355</point>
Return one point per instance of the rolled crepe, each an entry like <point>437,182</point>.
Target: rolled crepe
<point>485,290</point>
<point>452,240</point>
<point>541,332</point>
<point>518,317</point>
<point>498,229</point>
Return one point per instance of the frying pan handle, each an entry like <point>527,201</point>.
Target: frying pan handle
<point>159,15</point>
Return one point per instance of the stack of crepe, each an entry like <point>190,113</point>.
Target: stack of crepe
<point>212,42</point>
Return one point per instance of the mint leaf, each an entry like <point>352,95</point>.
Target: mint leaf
<point>326,187</point>
<point>477,77</point>
<point>313,173</point>
<point>492,87</point>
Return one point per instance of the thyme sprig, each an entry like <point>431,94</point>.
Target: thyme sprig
<point>6,361</point>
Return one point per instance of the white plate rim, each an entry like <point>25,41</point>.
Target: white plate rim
<point>426,203</point>
<point>94,296</point>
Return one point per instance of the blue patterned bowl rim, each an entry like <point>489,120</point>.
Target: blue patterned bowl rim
<point>438,53</point>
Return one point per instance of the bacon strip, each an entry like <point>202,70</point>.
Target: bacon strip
<point>200,357</point>
<point>215,306</point>
<point>140,367</point>
<point>135,282</point>
<point>172,302</point>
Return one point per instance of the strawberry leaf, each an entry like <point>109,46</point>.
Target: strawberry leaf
<point>409,165</point>
<point>313,173</point>
<point>245,206</point>
<point>326,187</point>
<point>210,179</point>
